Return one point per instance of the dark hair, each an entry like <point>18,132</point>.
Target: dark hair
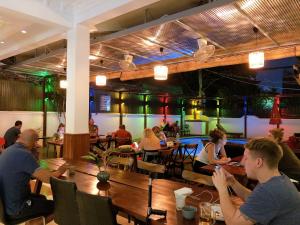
<point>267,149</point>
<point>18,123</point>
<point>216,135</point>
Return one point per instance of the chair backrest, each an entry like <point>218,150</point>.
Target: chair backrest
<point>95,210</point>
<point>122,141</point>
<point>66,208</point>
<point>167,156</point>
<point>190,152</point>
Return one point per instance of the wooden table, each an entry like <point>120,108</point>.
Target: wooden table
<point>237,170</point>
<point>129,191</point>
<point>56,143</point>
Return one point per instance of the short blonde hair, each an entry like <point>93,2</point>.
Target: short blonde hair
<point>148,133</point>
<point>267,149</point>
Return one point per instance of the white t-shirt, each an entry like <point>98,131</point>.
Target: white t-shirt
<point>203,155</point>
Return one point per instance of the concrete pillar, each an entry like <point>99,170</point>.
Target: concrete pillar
<point>76,141</point>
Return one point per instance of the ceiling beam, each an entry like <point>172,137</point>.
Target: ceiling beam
<point>187,27</point>
<point>98,13</point>
<point>164,19</point>
<point>255,24</point>
<point>36,11</point>
<point>40,57</point>
<point>28,44</point>
<point>178,67</point>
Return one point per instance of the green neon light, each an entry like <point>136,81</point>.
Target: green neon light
<point>41,73</point>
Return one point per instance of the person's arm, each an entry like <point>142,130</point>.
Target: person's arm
<point>44,174</point>
<point>223,152</point>
<point>238,188</point>
<point>231,213</point>
<point>210,150</point>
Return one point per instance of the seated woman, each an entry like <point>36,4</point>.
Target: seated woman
<point>61,131</point>
<point>289,163</point>
<point>159,134</point>
<point>93,128</point>
<point>213,152</point>
<point>149,143</point>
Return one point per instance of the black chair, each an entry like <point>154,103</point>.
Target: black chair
<point>6,221</point>
<point>154,154</point>
<point>122,141</point>
<point>66,209</point>
<point>187,158</point>
<point>95,210</point>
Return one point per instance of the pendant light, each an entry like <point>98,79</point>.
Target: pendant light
<point>257,58</point>
<point>161,71</point>
<point>101,79</point>
<point>63,84</point>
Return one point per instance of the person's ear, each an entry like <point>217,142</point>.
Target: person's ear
<point>259,162</point>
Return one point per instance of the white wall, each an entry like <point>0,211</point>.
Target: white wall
<point>109,122</point>
<point>32,120</point>
<point>256,127</point>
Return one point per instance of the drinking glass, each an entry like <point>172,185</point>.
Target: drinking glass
<point>207,215</point>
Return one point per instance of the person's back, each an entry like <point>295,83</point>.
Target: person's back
<point>121,133</point>
<point>276,202</point>
<point>11,136</point>
<point>16,167</point>
<point>289,163</point>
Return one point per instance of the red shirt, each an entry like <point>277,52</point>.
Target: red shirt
<point>122,134</point>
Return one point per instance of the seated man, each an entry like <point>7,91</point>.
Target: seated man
<point>17,166</point>
<point>123,137</point>
<point>12,134</point>
<point>274,201</point>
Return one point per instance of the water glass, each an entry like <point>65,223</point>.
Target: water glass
<point>207,215</point>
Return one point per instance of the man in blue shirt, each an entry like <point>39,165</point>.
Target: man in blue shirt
<point>12,134</point>
<point>17,166</point>
<point>274,201</point>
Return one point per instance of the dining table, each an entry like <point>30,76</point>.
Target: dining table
<point>129,191</point>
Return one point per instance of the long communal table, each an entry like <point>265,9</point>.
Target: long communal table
<point>129,191</point>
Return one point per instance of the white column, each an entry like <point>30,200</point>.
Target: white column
<point>77,106</point>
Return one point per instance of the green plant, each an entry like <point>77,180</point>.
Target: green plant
<point>99,157</point>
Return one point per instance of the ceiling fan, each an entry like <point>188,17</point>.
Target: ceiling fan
<point>127,63</point>
<point>204,51</point>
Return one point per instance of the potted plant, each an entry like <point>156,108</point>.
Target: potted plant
<point>101,159</point>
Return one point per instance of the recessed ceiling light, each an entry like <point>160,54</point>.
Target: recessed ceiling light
<point>2,42</point>
<point>23,31</point>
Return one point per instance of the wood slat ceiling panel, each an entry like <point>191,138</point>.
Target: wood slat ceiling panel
<point>279,18</point>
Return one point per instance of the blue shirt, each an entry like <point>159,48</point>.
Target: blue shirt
<point>17,164</point>
<point>276,202</point>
